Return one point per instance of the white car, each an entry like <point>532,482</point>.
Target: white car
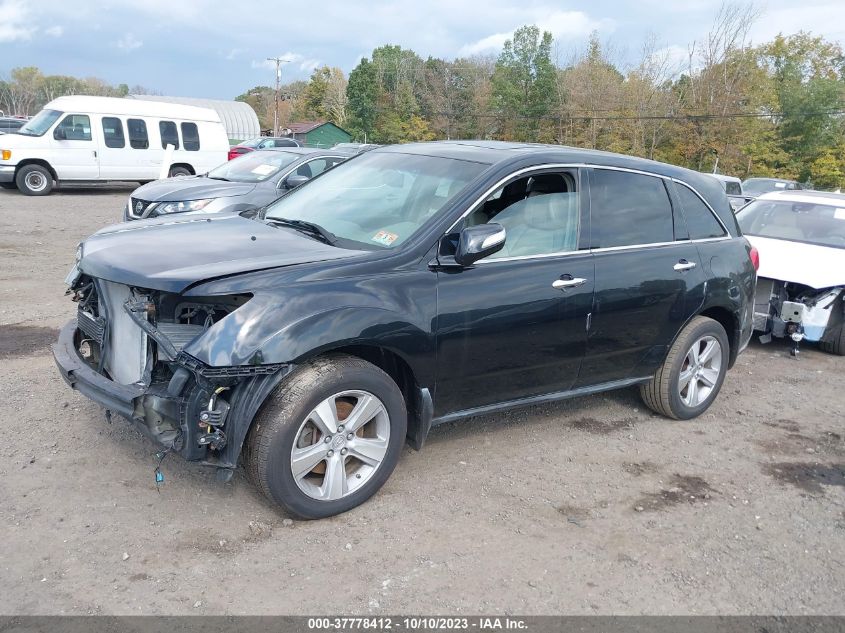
<point>82,140</point>
<point>733,188</point>
<point>800,238</point>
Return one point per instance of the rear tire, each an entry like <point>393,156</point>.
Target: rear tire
<point>690,378</point>
<point>34,180</point>
<point>298,452</point>
<point>837,344</point>
<point>178,171</point>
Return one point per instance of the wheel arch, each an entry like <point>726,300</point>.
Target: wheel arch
<point>36,161</point>
<point>728,319</point>
<point>187,166</point>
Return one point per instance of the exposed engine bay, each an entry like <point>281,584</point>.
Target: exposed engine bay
<point>136,337</point>
<point>785,309</point>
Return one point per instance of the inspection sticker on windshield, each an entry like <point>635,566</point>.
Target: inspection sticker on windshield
<point>385,237</point>
<point>263,170</point>
<point>839,214</point>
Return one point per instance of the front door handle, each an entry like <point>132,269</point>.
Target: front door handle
<point>683,265</point>
<point>568,282</point>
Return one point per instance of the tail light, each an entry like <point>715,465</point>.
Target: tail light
<point>232,154</point>
<point>755,258</point>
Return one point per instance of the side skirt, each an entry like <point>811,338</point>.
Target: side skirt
<point>541,399</point>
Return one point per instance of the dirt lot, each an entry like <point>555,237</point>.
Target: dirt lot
<point>588,506</point>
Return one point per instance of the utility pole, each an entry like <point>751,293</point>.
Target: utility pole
<point>279,61</point>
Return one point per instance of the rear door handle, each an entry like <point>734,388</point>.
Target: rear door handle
<point>683,265</point>
<point>568,282</point>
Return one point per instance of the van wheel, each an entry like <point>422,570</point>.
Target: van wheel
<point>34,180</point>
<point>690,378</point>
<point>328,437</point>
<point>178,171</point>
<point>836,345</point>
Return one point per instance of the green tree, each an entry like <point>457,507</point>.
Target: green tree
<point>524,81</point>
<point>362,100</point>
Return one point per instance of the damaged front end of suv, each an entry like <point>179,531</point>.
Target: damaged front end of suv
<point>127,350</point>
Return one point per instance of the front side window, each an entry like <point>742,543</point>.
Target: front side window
<point>819,224</point>
<point>138,138</point>
<point>380,199</point>
<point>190,137</point>
<point>113,132</point>
<point>540,214</point>
<point>629,209</point>
<point>317,166</point>
<point>701,223</point>
<point>74,127</point>
<point>169,135</point>
<point>40,123</point>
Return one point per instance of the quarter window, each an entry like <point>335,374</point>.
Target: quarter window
<point>700,220</point>
<point>113,132</point>
<point>138,138</point>
<point>190,137</point>
<point>628,209</point>
<point>540,215</point>
<point>169,135</point>
<point>74,127</point>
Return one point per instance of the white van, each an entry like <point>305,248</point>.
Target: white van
<point>81,140</point>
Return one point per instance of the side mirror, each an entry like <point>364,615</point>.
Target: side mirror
<point>295,180</point>
<point>60,134</point>
<point>477,242</point>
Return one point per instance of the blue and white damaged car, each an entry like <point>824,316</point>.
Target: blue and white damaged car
<point>800,238</point>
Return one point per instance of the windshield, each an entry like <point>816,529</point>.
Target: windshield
<point>378,199</point>
<point>819,224</point>
<point>40,123</point>
<point>759,186</point>
<point>253,167</point>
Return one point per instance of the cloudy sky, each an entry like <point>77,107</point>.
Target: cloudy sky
<point>209,48</point>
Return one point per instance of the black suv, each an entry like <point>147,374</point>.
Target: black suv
<point>412,285</point>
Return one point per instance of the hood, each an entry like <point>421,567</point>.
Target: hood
<point>190,188</point>
<point>11,140</point>
<point>171,255</point>
<point>815,266</point>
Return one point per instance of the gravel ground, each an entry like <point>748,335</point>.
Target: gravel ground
<point>587,506</point>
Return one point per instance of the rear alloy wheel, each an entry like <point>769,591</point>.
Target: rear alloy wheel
<point>178,171</point>
<point>34,180</point>
<point>328,438</point>
<point>691,376</point>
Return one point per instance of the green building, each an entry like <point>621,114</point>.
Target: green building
<point>319,133</point>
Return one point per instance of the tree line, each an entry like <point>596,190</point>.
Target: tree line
<point>771,109</point>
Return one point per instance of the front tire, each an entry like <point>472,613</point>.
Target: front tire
<point>688,381</point>
<point>34,180</point>
<point>328,437</point>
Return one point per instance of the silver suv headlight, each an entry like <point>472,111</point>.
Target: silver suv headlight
<point>183,206</point>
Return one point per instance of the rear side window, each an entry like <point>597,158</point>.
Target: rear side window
<point>190,137</point>
<point>138,138</point>
<point>113,132</point>
<point>629,209</point>
<point>169,135</point>
<point>733,188</point>
<point>701,222</point>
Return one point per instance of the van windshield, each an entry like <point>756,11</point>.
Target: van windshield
<point>40,123</point>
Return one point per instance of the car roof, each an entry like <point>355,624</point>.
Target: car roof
<point>724,177</point>
<point>758,178</point>
<point>131,107</point>
<point>811,197</point>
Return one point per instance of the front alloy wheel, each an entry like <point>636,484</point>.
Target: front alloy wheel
<point>340,445</point>
<point>328,437</point>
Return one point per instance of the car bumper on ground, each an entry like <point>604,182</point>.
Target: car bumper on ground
<point>7,173</point>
